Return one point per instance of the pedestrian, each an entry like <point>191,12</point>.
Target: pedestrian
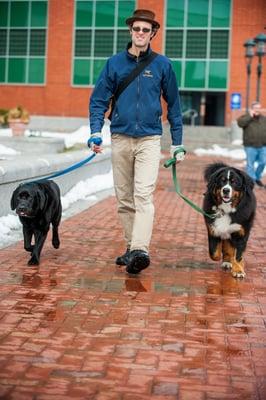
<point>136,130</point>
<point>254,140</point>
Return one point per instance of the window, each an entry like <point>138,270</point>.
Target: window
<point>221,13</point>
<point>23,31</point>
<point>174,43</point>
<point>175,13</point>
<point>219,44</point>
<point>197,41</point>
<point>197,13</point>
<point>196,44</point>
<point>100,32</point>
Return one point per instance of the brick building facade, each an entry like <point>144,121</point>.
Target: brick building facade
<point>62,89</point>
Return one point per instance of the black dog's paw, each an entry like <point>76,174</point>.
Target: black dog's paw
<point>33,261</point>
<point>29,249</point>
<point>56,243</point>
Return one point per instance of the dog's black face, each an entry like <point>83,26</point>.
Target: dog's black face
<point>27,201</point>
<point>227,185</point>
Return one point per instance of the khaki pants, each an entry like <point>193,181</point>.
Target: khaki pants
<point>135,164</point>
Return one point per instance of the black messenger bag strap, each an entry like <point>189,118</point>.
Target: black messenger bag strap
<point>133,74</point>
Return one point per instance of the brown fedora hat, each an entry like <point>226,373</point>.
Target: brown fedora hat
<point>143,15</point>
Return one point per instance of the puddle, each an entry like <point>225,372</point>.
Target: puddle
<point>33,280</point>
<point>112,286</point>
<point>135,285</point>
<point>191,265</point>
<point>36,279</point>
<point>172,289</point>
<point>13,278</point>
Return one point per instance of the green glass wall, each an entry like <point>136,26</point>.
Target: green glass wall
<point>100,32</point>
<point>197,41</point>
<point>23,30</point>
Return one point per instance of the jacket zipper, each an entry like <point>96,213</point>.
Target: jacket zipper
<point>138,92</point>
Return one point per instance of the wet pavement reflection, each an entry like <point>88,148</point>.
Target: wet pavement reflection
<point>79,327</point>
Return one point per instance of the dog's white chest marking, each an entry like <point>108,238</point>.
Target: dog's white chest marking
<point>222,225</point>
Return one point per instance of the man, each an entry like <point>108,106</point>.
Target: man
<point>135,133</point>
<point>254,140</point>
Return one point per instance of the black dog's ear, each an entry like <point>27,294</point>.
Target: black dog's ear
<point>41,199</point>
<point>248,181</point>
<point>213,170</point>
<point>14,199</point>
<point>211,183</point>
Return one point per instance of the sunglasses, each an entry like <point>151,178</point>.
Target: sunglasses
<point>139,29</point>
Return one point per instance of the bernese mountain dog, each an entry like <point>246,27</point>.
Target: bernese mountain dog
<point>231,205</point>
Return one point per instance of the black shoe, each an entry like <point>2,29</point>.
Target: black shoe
<point>138,260</point>
<point>259,183</point>
<point>123,260</point>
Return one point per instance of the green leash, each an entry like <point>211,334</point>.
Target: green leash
<point>172,162</point>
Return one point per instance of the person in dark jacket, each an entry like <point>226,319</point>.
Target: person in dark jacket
<point>254,140</point>
<point>136,130</point>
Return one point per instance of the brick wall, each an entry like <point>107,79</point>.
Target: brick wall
<point>59,98</point>
<point>249,19</point>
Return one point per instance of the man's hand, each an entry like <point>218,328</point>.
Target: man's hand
<point>95,142</point>
<point>178,152</point>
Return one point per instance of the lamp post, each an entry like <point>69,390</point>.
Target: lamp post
<point>249,53</point>
<point>260,40</point>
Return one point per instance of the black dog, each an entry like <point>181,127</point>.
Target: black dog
<point>231,201</point>
<point>38,205</point>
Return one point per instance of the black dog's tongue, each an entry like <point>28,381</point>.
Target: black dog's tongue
<point>22,214</point>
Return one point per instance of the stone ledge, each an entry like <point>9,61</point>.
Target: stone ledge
<point>25,168</point>
<point>33,145</point>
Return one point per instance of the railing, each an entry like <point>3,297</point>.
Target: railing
<point>191,115</point>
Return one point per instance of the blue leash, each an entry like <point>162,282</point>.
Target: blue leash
<point>69,169</point>
<point>97,141</point>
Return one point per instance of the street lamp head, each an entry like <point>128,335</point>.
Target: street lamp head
<point>260,40</point>
<point>249,45</point>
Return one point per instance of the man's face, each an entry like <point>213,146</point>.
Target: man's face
<point>256,109</point>
<point>140,38</point>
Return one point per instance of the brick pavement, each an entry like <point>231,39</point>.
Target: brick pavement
<point>78,327</point>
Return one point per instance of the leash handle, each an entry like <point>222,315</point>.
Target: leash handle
<point>169,162</point>
<point>95,140</point>
<point>172,162</point>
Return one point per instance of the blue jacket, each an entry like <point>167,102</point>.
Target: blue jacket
<point>138,109</point>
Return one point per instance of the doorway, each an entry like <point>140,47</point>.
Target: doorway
<point>214,109</point>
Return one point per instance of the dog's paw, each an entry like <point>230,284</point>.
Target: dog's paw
<point>226,265</point>
<point>33,261</point>
<point>238,269</point>
<point>238,274</point>
<point>56,244</point>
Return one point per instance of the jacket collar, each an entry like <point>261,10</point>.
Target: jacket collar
<point>142,55</point>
